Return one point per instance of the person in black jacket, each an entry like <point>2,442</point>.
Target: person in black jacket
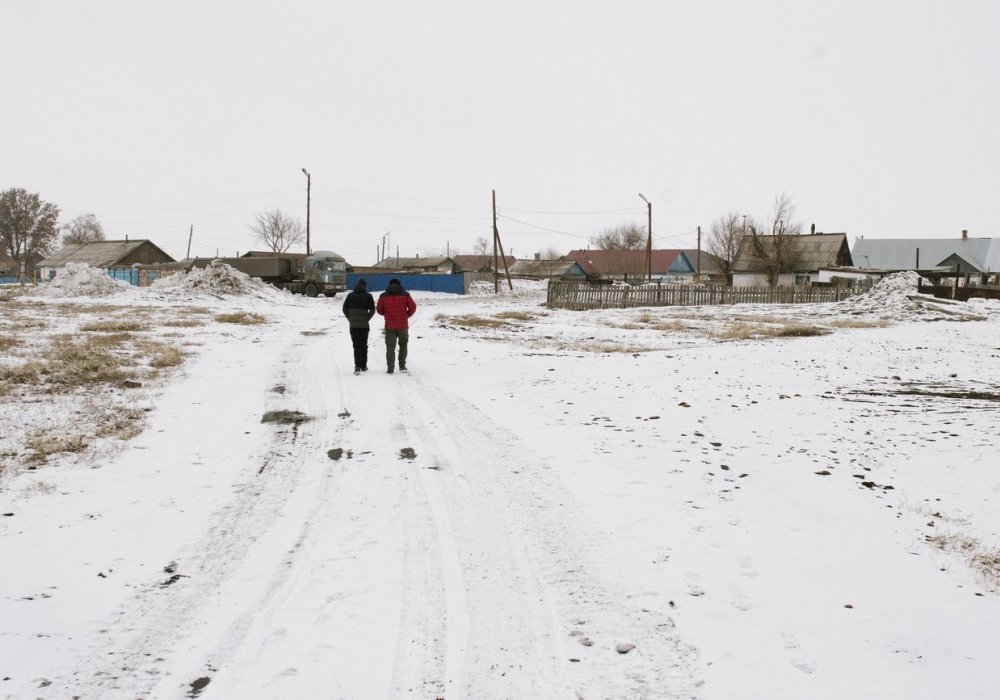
<point>359,307</point>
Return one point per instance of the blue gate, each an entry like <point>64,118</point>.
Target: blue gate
<point>450,284</point>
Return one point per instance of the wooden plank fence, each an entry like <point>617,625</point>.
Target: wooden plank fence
<point>581,296</point>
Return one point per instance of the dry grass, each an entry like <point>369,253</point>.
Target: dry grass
<point>74,364</point>
<point>115,326</point>
<point>759,331</point>
<point>984,560</point>
<point>124,424</point>
<point>470,321</point>
<point>183,323</point>
<point>39,487</point>
<point>858,323</point>
<point>25,324</point>
<point>519,315</point>
<point>799,330</point>
<point>243,318</point>
<point>8,342</point>
<point>45,444</point>
<point>987,564</point>
<point>162,355</point>
<point>606,347</point>
<point>111,341</point>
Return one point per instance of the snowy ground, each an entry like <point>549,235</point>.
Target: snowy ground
<point>767,502</point>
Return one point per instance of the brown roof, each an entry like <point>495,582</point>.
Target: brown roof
<point>105,253</point>
<point>808,252</point>
<point>394,263</point>
<point>474,263</point>
<point>620,262</point>
<point>546,268</point>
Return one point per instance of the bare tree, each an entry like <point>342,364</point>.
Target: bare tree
<point>726,236</point>
<point>28,224</point>
<point>83,229</point>
<point>549,253</point>
<point>628,236</point>
<point>276,230</point>
<point>779,251</point>
<point>482,246</point>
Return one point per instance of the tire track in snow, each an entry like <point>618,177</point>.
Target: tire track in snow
<point>531,584</point>
<point>499,637</point>
<point>235,578</point>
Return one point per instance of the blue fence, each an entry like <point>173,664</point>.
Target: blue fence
<point>125,275</point>
<point>450,284</point>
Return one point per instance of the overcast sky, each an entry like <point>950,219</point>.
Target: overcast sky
<point>877,118</point>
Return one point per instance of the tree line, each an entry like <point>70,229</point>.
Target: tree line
<point>30,226</point>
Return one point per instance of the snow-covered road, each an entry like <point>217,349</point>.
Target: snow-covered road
<point>753,516</point>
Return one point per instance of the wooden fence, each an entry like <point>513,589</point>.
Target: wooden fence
<point>580,296</point>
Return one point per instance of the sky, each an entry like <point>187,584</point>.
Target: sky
<point>877,119</point>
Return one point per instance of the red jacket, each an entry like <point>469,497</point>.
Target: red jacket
<point>396,304</point>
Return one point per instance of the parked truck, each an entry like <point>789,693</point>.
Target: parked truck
<point>322,272</point>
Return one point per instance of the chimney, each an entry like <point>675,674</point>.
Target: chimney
<point>965,234</point>
<point>812,229</point>
<point>538,256</point>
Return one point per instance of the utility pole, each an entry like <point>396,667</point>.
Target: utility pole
<point>698,255</point>
<point>496,239</point>
<point>190,236</point>
<point>649,240</point>
<point>498,244</point>
<point>308,205</point>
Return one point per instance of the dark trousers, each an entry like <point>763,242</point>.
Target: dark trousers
<point>401,335</point>
<point>359,337</point>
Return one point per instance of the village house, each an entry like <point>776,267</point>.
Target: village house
<point>120,258</point>
<point>666,266</point>
<point>539,269</point>
<point>788,260</point>
<point>977,257</point>
<point>481,263</point>
<point>443,265</point>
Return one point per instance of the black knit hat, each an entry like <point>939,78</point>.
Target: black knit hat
<point>362,283</point>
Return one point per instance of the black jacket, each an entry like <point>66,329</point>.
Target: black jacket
<point>359,307</point>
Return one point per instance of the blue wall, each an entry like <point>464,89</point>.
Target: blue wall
<point>451,284</point>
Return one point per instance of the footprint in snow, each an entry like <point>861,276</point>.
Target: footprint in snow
<point>693,582</point>
<point>798,658</point>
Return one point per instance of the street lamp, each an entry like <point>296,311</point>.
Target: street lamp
<point>308,205</point>
<point>649,239</point>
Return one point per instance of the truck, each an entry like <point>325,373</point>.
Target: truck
<point>321,272</point>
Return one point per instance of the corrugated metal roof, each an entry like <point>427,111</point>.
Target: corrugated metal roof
<point>811,252</point>
<point>472,263</point>
<point>394,263</point>
<point>98,254</point>
<point>545,268</point>
<point>901,253</point>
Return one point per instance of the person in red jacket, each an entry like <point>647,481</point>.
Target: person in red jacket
<point>396,304</point>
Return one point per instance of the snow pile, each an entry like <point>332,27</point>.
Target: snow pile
<point>82,280</point>
<point>216,280</point>
<point>895,298</point>
<point>522,288</point>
